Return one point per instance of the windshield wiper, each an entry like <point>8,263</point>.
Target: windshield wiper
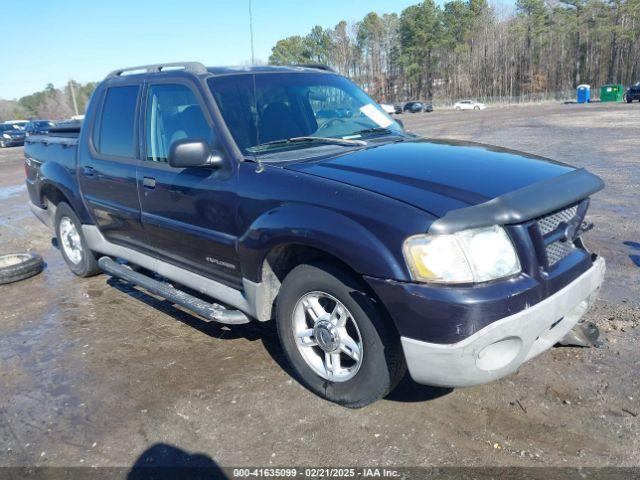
<point>368,131</point>
<point>327,140</point>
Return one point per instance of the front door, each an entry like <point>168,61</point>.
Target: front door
<point>189,214</point>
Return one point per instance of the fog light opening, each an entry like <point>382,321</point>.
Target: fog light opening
<point>499,354</point>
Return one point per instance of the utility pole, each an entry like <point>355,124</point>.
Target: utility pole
<point>253,59</point>
<point>73,97</point>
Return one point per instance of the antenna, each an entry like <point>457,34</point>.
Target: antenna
<point>73,97</point>
<point>253,59</point>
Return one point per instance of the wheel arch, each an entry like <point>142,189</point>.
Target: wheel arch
<point>59,185</point>
<point>323,229</point>
<point>269,251</point>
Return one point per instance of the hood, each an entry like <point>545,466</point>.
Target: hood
<point>434,175</point>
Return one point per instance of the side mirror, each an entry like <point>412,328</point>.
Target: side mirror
<point>193,153</point>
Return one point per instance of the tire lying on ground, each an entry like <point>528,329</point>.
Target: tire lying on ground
<point>19,266</point>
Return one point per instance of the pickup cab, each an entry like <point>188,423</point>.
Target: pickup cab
<point>287,194</point>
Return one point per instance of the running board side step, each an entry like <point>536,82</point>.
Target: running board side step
<point>209,311</point>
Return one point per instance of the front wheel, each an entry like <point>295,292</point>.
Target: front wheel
<point>477,109</point>
<point>72,243</point>
<point>338,341</point>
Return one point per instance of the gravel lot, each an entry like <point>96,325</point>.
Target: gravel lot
<point>95,374</point>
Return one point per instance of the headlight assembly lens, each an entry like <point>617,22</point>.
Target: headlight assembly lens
<point>476,255</point>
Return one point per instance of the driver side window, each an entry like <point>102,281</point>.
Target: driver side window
<point>173,113</point>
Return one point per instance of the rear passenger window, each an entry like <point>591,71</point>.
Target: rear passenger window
<point>116,126</point>
<point>173,114</point>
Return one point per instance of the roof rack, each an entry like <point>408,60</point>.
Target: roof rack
<point>192,67</point>
<point>317,66</point>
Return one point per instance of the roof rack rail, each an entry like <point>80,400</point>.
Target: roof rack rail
<point>192,67</point>
<point>317,66</point>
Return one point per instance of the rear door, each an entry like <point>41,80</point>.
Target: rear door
<point>108,163</point>
<point>188,213</point>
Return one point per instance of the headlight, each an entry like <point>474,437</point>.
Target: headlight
<point>468,256</point>
<point>6,135</point>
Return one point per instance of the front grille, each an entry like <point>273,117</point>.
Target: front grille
<point>549,223</point>
<point>549,227</point>
<point>556,251</point>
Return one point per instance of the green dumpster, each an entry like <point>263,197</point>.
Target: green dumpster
<point>611,93</point>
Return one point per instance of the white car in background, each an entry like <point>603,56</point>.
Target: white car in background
<point>390,109</point>
<point>17,124</point>
<point>469,105</point>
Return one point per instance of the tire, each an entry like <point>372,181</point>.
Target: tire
<point>477,109</point>
<point>458,109</point>
<point>19,266</point>
<point>74,249</point>
<point>356,383</point>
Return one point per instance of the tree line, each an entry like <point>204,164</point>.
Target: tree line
<point>50,104</point>
<point>539,49</point>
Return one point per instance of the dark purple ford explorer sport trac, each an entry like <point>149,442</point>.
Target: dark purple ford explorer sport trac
<point>288,194</point>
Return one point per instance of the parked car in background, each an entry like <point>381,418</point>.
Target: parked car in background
<point>10,135</point>
<point>18,124</point>
<point>369,247</point>
<point>416,107</point>
<point>38,127</point>
<point>398,108</point>
<point>469,105</point>
<point>390,109</point>
<point>633,93</point>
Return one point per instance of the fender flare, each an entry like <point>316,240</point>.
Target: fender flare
<point>55,175</point>
<point>320,228</point>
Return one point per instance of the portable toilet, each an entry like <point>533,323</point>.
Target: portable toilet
<point>584,93</point>
<point>611,93</point>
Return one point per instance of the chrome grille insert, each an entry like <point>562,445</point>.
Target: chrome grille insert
<point>549,223</point>
<point>557,250</point>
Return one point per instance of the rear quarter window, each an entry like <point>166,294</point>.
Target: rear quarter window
<point>115,136</point>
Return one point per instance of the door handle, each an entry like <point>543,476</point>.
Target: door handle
<point>148,182</point>
<point>88,171</point>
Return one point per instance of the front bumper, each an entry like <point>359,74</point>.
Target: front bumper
<point>501,347</point>
<point>13,142</point>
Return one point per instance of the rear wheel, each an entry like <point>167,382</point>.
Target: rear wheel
<point>72,243</point>
<point>339,343</point>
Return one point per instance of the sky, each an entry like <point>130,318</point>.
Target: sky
<point>53,41</point>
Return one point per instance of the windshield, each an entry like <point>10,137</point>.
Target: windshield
<point>4,128</point>
<point>263,109</point>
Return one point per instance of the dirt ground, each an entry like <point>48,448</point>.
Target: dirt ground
<point>95,374</point>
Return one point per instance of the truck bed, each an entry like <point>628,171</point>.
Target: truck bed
<point>51,156</point>
<point>59,146</point>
